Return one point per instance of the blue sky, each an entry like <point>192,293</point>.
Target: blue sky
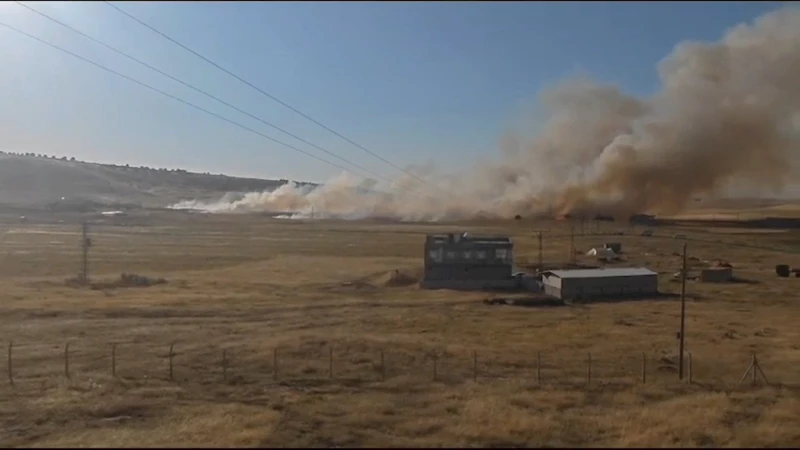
<point>410,81</point>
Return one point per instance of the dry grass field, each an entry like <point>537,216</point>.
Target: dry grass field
<point>365,358</point>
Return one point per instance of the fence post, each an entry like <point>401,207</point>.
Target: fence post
<point>644,368</point>
<point>383,367</point>
<point>330,362</point>
<point>689,367</point>
<point>434,368</point>
<point>10,365</point>
<point>224,365</point>
<point>589,369</point>
<point>66,360</point>
<point>171,347</point>
<point>474,365</point>
<point>275,364</point>
<point>539,367</point>
<point>113,359</point>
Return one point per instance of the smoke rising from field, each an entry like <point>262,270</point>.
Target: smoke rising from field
<point>726,117</point>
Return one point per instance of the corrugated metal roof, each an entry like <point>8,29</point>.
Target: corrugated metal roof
<point>602,273</point>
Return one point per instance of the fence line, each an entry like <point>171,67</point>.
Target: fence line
<point>376,371</point>
<point>10,363</point>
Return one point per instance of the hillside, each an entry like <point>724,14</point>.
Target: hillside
<point>38,181</point>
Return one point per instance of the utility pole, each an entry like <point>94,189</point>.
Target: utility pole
<point>682,334</point>
<point>540,252</point>
<point>572,243</point>
<point>86,242</point>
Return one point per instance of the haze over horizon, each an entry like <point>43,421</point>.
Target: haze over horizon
<point>445,90</point>
<point>413,82</point>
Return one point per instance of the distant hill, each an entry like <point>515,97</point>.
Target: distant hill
<point>58,183</point>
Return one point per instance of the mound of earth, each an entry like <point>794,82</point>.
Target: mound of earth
<point>398,278</point>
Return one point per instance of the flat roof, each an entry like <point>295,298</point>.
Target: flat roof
<point>601,273</point>
<point>471,238</point>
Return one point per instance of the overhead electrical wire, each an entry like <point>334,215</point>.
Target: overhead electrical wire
<point>154,89</point>
<point>185,102</point>
<point>132,58</point>
<point>251,85</point>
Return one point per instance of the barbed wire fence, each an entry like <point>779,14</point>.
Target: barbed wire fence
<point>34,363</point>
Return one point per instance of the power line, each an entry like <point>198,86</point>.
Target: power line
<point>165,36</point>
<point>168,95</point>
<point>199,108</point>
<point>132,58</point>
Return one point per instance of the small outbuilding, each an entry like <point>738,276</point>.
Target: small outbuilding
<point>600,283</point>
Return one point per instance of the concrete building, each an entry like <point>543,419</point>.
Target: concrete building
<point>598,283</point>
<point>464,262</point>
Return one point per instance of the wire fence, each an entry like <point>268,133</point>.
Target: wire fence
<point>115,250</point>
<point>169,362</point>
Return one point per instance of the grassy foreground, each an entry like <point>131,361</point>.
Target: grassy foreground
<point>365,358</point>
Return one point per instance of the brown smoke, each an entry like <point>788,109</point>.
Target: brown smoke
<point>728,115</point>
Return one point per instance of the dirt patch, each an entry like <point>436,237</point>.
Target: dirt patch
<point>745,230</point>
<point>400,278</point>
<point>125,280</point>
<point>377,281</point>
<point>355,285</point>
<point>533,301</point>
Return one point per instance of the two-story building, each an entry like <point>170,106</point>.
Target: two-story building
<point>461,261</point>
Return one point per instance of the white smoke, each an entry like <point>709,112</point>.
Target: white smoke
<point>726,119</point>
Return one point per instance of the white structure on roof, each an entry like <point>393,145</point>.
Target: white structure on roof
<point>602,253</point>
<point>588,283</point>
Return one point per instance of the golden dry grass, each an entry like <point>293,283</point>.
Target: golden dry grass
<point>248,285</point>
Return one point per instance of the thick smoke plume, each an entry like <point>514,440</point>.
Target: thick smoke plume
<point>727,116</point>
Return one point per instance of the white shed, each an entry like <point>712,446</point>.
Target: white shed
<point>588,283</point>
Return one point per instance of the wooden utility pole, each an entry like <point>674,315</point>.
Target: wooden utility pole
<point>540,252</point>
<point>572,243</point>
<point>682,334</point>
<point>86,242</point>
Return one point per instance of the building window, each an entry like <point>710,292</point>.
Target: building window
<point>501,254</point>
<point>467,255</point>
<point>435,255</point>
<point>452,256</point>
<point>480,254</point>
